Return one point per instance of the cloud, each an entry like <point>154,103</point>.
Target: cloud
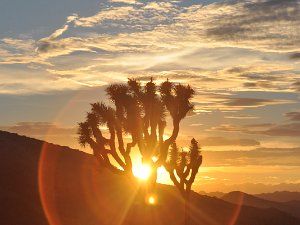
<point>232,101</point>
<point>284,130</point>
<point>296,85</point>
<point>250,128</point>
<point>264,24</point>
<point>38,128</point>
<point>159,6</point>
<point>45,44</point>
<point>52,46</point>
<point>293,116</point>
<point>267,77</point>
<point>117,13</point>
<point>258,156</point>
<point>291,129</point>
<point>126,1</point>
<point>221,141</point>
<point>27,80</point>
<point>250,85</point>
<point>60,31</point>
<point>21,45</point>
<point>19,51</point>
<point>46,131</point>
<point>253,102</point>
<point>295,56</point>
<point>242,117</point>
<point>72,18</point>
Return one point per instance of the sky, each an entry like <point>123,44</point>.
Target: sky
<point>241,57</point>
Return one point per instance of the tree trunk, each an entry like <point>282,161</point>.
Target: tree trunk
<point>152,179</point>
<point>187,215</point>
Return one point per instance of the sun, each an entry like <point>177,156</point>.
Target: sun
<point>142,171</point>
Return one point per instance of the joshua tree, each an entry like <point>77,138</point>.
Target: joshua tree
<point>136,117</point>
<point>183,167</point>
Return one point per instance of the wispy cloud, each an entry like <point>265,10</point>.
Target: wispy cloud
<point>221,141</point>
<point>19,51</point>
<point>46,131</point>
<point>164,38</point>
<point>288,130</point>
<point>126,1</point>
<point>266,25</point>
<point>291,129</point>
<point>258,156</point>
<point>38,128</point>
<point>295,56</point>
<point>294,116</point>
<point>253,102</point>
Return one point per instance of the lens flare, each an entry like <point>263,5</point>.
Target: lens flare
<point>151,200</point>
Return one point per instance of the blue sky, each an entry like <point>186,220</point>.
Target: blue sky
<point>242,57</point>
<point>37,19</point>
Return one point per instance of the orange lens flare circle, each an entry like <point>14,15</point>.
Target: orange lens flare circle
<point>237,209</point>
<point>49,162</point>
<point>46,181</point>
<point>151,199</point>
<point>70,188</point>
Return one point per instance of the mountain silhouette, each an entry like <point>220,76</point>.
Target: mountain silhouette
<point>280,196</point>
<point>43,183</point>
<point>217,194</point>
<point>237,197</point>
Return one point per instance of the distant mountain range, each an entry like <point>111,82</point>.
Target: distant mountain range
<point>280,196</point>
<point>237,197</point>
<point>217,194</point>
<point>277,196</point>
<point>47,184</point>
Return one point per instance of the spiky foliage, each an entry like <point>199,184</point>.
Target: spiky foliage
<point>172,159</point>
<point>183,168</point>
<point>177,99</point>
<point>139,111</point>
<point>85,133</point>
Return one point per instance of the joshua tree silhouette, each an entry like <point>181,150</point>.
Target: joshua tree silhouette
<point>183,167</point>
<point>139,115</point>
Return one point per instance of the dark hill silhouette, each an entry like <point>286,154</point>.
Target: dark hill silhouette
<point>235,197</point>
<point>280,196</point>
<point>77,192</point>
<point>217,194</point>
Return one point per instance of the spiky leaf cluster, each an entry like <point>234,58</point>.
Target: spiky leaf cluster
<point>183,166</point>
<point>176,98</point>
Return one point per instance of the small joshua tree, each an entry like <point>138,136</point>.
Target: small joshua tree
<point>183,167</point>
<point>136,117</point>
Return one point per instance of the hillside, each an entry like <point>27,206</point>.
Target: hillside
<point>236,197</point>
<point>73,190</point>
